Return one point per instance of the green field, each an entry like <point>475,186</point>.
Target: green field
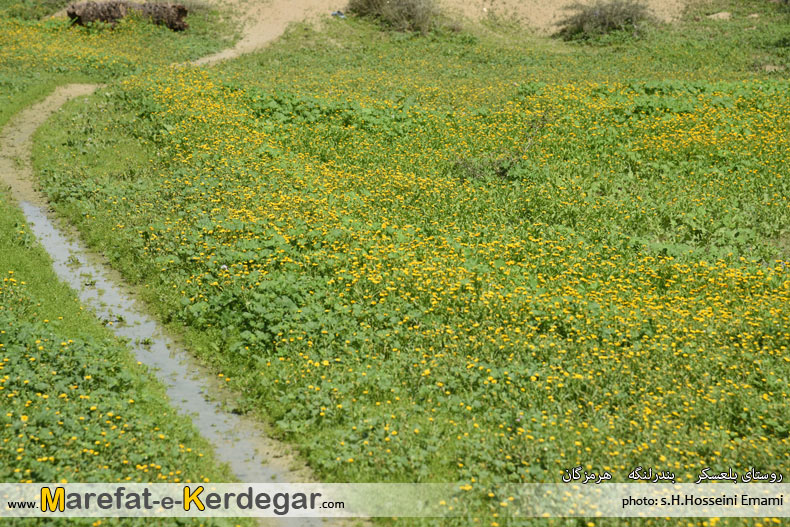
<point>481,256</point>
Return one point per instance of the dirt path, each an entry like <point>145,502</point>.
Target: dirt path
<point>263,22</point>
<point>240,441</point>
<point>16,146</point>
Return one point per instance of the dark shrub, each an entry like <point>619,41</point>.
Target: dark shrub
<point>603,17</point>
<point>401,15</point>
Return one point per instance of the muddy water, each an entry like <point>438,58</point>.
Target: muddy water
<point>239,441</point>
<point>186,389</point>
<point>236,439</point>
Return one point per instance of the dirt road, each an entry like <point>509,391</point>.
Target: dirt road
<point>264,21</point>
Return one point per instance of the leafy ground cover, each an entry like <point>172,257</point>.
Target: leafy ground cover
<point>478,257</point>
<point>36,54</point>
<point>75,406</point>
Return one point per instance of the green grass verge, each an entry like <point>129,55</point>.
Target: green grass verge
<point>76,406</point>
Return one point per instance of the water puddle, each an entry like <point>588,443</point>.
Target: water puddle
<point>237,440</point>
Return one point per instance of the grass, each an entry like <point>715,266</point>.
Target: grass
<point>37,55</point>
<point>617,299</point>
<point>614,295</point>
<point>31,9</point>
<point>77,407</point>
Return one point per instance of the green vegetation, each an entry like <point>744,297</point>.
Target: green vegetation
<point>480,257</point>
<point>31,9</point>
<point>466,257</point>
<point>37,55</point>
<point>75,406</point>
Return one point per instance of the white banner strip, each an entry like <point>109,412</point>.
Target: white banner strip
<point>626,500</point>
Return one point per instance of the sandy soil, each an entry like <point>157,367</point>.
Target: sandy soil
<point>542,15</point>
<point>265,20</point>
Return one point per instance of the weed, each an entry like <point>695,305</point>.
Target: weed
<point>502,165</point>
<point>31,9</point>
<point>401,15</point>
<point>589,21</point>
<point>379,309</point>
<point>326,252</point>
<point>76,406</point>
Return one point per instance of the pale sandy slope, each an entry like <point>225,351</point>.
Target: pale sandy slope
<point>265,20</point>
<point>543,14</point>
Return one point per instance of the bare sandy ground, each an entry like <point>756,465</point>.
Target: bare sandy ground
<point>265,20</point>
<point>542,15</point>
<point>16,144</point>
